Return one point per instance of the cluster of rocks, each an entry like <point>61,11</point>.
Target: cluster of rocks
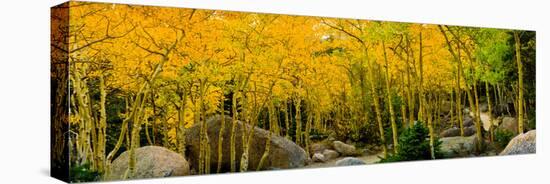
<point>469,128</point>
<point>327,150</point>
<point>155,161</point>
<point>506,123</point>
<point>453,145</point>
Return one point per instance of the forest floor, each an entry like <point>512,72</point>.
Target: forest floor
<point>374,158</point>
<point>368,159</point>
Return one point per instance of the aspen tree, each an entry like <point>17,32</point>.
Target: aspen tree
<point>459,73</point>
<point>403,108</point>
<point>429,114</point>
<point>520,81</point>
<point>221,132</point>
<point>420,82</point>
<point>102,126</point>
<point>181,121</point>
<point>490,110</point>
<point>389,102</point>
<point>375,99</point>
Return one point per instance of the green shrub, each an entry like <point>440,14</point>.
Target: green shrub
<point>414,144</point>
<point>83,173</point>
<point>502,137</point>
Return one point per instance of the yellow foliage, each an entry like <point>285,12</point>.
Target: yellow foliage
<point>284,57</point>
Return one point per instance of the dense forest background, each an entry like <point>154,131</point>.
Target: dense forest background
<point>142,76</point>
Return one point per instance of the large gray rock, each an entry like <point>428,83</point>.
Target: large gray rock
<point>151,162</point>
<point>330,154</point>
<point>509,124</point>
<point>522,144</point>
<point>345,149</point>
<point>453,132</point>
<point>459,146</point>
<point>349,161</point>
<point>283,152</point>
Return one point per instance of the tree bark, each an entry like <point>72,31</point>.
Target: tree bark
<point>220,136</point>
<point>375,99</point>
<point>520,81</point>
<point>389,102</point>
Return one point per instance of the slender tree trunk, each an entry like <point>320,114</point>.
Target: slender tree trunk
<point>290,116</point>
<point>123,133</point>
<point>102,126</point>
<point>276,126</point>
<point>474,107</point>
<point>247,129</point>
<point>308,126</point>
<point>452,110</point>
<point>155,117</point>
<point>285,110</point>
<point>233,131</point>
<point>500,95</point>
<point>201,137</point>
<point>84,114</point>
<point>459,101</point>
<point>146,123</point>
<point>165,127</point>
<point>476,111</point>
<point>204,150</point>
<point>490,109</point>
<point>520,82</point>
<point>410,101</point>
<point>207,150</point>
<point>420,85</point>
<point>181,122</point>
<point>477,124</point>
<point>495,97</point>
<point>220,136</point>
<point>268,140</point>
<point>134,137</point>
<point>92,129</point>
<point>375,99</point>
<point>438,111</point>
<point>297,105</point>
<point>389,102</point>
<point>403,108</point>
<point>429,112</point>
